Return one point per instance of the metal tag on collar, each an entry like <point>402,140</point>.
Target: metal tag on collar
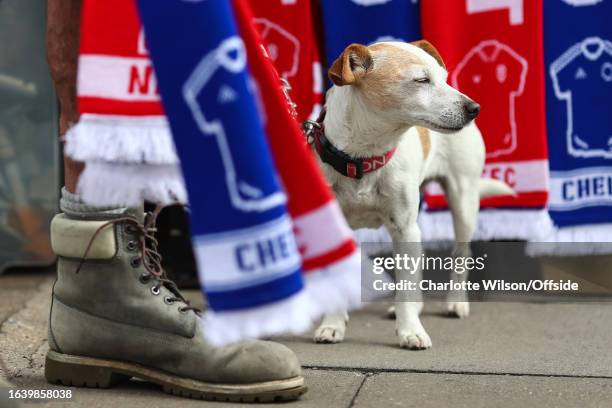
<point>309,126</point>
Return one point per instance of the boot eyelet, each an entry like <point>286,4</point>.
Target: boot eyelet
<point>135,262</point>
<point>130,229</point>
<point>182,310</point>
<point>155,290</point>
<point>131,245</point>
<point>144,278</point>
<point>168,300</point>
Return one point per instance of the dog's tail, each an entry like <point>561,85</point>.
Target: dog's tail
<point>489,187</point>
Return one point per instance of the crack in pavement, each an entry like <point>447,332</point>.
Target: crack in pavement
<point>363,381</point>
<point>372,371</point>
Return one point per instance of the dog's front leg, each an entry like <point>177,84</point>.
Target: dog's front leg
<point>409,303</point>
<point>332,328</point>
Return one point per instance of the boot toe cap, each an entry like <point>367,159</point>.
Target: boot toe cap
<point>260,361</point>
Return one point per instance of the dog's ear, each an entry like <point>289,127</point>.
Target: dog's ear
<point>430,49</point>
<point>351,65</point>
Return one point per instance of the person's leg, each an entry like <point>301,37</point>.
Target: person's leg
<point>114,314</point>
<point>63,22</point>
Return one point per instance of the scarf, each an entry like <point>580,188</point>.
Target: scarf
<point>366,22</point>
<point>122,134</point>
<point>287,29</point>
<point>578,56</point>
<point>494,54</point>
<point>272,247</point>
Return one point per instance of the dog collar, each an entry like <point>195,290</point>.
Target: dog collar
<point>343,163</point>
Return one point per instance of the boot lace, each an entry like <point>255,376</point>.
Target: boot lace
<point>150,257</point>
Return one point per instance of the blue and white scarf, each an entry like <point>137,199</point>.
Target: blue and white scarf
<point>243,236</point>
<point>578,57</point>
<point>366,22</point>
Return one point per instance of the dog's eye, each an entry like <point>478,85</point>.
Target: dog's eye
<point>422,80</point>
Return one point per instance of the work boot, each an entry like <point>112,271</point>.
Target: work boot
<point>115,316</point>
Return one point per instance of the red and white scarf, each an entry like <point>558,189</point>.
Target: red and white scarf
<point>122,134</point>
<point>494,54</point>
<point>287,29</point>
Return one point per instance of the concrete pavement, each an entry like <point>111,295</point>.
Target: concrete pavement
<point>504,355</point>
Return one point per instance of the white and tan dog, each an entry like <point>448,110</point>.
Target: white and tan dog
<point>394,95</point>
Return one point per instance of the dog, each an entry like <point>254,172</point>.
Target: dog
<point>391,124</point>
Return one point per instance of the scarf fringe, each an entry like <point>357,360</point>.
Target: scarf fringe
<point>594,239</point>
<point>287,316</point>
<point>121,139</point>
<point>493,224</point>
<point>333,289</point>
<point>437,229</point>
<point>372,235</point>
<point>117,184</point>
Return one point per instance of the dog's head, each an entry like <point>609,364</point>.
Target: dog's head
<point>406,81</point>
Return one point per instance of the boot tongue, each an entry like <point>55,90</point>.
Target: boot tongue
<point>143,218</point>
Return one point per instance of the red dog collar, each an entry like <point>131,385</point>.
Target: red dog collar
<point>342,162</point>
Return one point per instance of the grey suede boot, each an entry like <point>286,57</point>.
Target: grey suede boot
<point>115,316</point>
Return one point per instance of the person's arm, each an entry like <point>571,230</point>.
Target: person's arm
<point>63,23</point>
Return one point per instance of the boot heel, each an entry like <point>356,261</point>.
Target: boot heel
<point>67,370</point>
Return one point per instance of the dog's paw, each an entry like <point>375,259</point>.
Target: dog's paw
<point>414,341</point>
<point>329,334</point>
<point>458,309</point>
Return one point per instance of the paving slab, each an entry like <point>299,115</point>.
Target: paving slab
<point>529,354</point>
<point>482,391</point>
<point>25,278</point>
<point>23,330</point>
<point>497,338</point>
<point>17,286</point>
<point>23,346</point>
<point>326,389</point>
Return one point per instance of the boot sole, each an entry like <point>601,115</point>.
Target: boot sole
<point>69,370</point>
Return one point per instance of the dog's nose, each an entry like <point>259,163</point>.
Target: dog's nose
<point>472,109</point>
